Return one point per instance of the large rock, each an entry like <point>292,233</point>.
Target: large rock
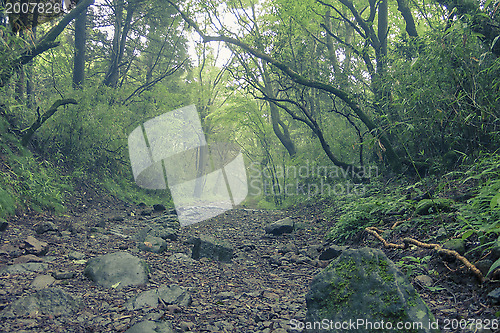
<point>149,326</point>
<point>118,270</point>
<point>362,287</point>
<point>280,227</point>
<point>50,301</point>
<point>209,247</point>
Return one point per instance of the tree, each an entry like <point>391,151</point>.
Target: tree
<point>79,57</point>
<point>348,98</point>
<point>47,42</point>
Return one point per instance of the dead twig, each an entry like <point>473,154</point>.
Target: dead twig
<point>438,248</point>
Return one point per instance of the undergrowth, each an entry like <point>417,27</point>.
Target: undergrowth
<point>27,183</point>
<point>474,215</point>
<point>367,211</point>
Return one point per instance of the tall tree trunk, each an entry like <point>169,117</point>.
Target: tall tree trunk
<point>46,43</point>
<point>380,87</point>
<point>279,128</point>
<point>20,85</point>
<point>329,45</point>
<point>30,90</point>
<point>79,57</point>
<point>119,41</point>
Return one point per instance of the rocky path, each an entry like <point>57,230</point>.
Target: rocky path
<point>260,290</point>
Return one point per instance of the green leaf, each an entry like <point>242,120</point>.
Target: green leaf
<point>495,201</point>
<point>477,34</point>
<point>116,285</point>
<point>495,265</point>
<point>467,234</point>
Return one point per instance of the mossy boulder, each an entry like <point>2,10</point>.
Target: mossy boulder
<point>431,206</point>
<point>362,287</point>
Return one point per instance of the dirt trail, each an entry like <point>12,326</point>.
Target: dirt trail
<point>261,290</point>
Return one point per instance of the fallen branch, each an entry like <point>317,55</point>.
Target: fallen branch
<point>28,133</point>
<point>438,248</point>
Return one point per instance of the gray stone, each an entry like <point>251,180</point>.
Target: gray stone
<point>495,251</point>
<point>35,246</point>
<point>167,221</point>
<point>145,300</point>
<point>174,294</point>
<point>153,244</point>
<point>186,326</point>
<point>209,247</point>
<point>225,295</point>
<point>424,280</point>
<point>157,230</point>
<point>50,301</point>
<point>27,258</point>
<point>115,218</point>
<point>119,269</point>
<point>456,244</point>
<point>484,265</point>
<point>63,275</point>
<point>44,227</point>
<point>29,267</point>
<point>159,208</point>
<point>332,252</point>
<point>280,227</point>
<point>494,295</point>
<point>180,257</point>
<point>10,250</point>
<point>441,233</point>
<point>75,255</point>
<point>364,284</point>
<point>151,327</point>
<point>290,247</point>
<point>170,295</point>
<point>42,281</point>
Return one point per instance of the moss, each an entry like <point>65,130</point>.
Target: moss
<point>341,291</point>
<point>379,266</point>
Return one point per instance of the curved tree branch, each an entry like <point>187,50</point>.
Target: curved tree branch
<point>41,119</point>
<point>299,79</point>
<point>407,15</point>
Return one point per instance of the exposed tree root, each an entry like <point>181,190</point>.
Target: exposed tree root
<point>438,248</point>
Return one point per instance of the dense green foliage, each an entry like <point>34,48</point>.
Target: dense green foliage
<point>318,96</point>
<point>27,182</point>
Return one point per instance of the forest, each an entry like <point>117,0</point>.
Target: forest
<point>366,127</point>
